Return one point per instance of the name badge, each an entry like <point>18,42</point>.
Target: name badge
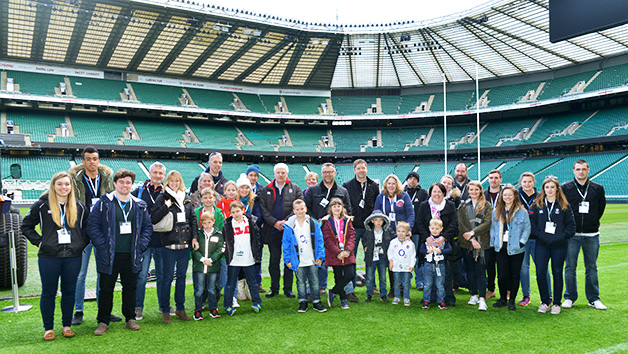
<point>438,272</point>
<point>214,239</point>
<point>392,217</point>
<point>181,217</point>
<point>361,204</point>
<point>64,236</point>
<point>478,221</point>
<point>324,203</point>
<point>125,227</point>
<point>94,200</point>
<point>505,238</point>
<point>341,245</point>
<point>438,257</point>
<point>550,227</point>
<point>584,207</point>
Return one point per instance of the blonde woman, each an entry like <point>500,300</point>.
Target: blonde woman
<point>395,203</point>
<point>63,220</point>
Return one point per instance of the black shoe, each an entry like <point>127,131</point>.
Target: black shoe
<point>114,318</point>
<point>384,298</point>
<point>368,298</point>
<point>78,318</point>
<point>302,307</point>
<point>512,306</point>
<point>318,306</point>
<point>271,294</point>
<point>289,294</point>
<point>352,298</point>
<point>500,303</point>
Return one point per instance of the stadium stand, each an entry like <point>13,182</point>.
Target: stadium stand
<point>104,130</point>
<point>39,125</point>
<point>36,83</point>
<point>214,136</point>
<point>349,140</point>
<point>560,86</point>
<point>157,94</point>
<point>188,169</point>
<point>36,168</point>
<point>166,133</point>
<point>613,180</point>
<point>303,104</point>
<point>97,89</point>
<point>613,76</point>
<point>212,99</point>
<point>598,124</point>
<point>253,102</point>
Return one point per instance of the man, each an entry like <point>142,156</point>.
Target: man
<point>91,181</point>
<point>276,204</point>
<point>252,173</point>
<point>120,228</point>
<point>588,201</point>
<point>418,195</point>
<point>215,170</point>
<point>461,180</point>
<point>491,194</point>
<point>362,192</point>
<point>148,192</point>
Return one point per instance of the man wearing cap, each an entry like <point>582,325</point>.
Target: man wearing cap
<point>252,173</point>
<point>418,195</point>
<point>461,180</point>
<point>276,202</point>
<point>215,170</point>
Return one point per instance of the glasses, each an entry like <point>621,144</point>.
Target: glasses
<point>554,178</point>
<point>328,172</point>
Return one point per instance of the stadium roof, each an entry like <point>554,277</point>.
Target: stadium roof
<point>188,40</point>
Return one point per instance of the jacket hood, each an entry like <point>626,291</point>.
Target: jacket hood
<point>74,171</point>
<point>376,214</point>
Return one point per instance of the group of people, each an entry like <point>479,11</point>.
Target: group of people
<point>455,232</point>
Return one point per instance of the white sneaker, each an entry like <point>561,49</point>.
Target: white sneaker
<point>474,300</point>
<point>544,308</point>
<point>598,305</point>
<point>482,306</point>
<point>555,310</point>
<point>235,303</point>
<point>567,304</point>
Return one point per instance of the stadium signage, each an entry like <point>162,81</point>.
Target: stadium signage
<point>56,70</point>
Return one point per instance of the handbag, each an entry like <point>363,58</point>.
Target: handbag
<point>165,224</point>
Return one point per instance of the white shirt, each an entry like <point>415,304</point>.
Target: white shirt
<point>302,235</point>
<point>403,255</point>
<point>242,253</point>
<point>377,245</point>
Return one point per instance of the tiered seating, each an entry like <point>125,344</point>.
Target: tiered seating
<point>550,125</point>
<point>509,94</point>
<point>189,169</point>
<point>262,137</point>
<point>253,103</point>
<point>269,102</point>
<point>36,168</point>
<point>454,134</point>
<point>127,164</point>
<point>496,130</point>
<point>164,133</point>
<point>32,194</point>
<point>349,140</point>
<point>304,104</point>
<point>564,169</point>
<point>533,165</point>
<point>304,139</point>
<point>456,101</point>
<point>353,106</point>
<point>36,123</point>
<point>35,83</point>
<point>390,139</point>
<point>103,130</point>
<point>613,180</point>
<point>211,99</point>
<point>613,76</point>
<point>213,135</point>
<point>560,86</point>
<point>157,94</point>
<point>598,125</point>
<point>409,103</point>
<point>97,89</point>
<point>390,104</point>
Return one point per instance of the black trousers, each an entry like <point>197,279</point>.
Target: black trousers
<point>122,265</point>
<point>490,269</point>
<point>508,272</point>
<point>274,246</point>
<point>342,276</point>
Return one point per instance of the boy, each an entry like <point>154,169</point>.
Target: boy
<point>208,198</point>
<point>377,237</point>
<point>242,251</point>
<point>434,266</point>
<point>401,258</point>
<point>206,266</point>
<point>303,252</point>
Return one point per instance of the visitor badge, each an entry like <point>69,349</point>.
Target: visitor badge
<point>478,221</point>
<point>584,207</point>
<point>64,236</point>
<point>550,227</point>
<point>181,217</point>
<point>438,257</point>
<point>125,227</point>
<point>324,202</point>
<point>341,245</point>
<point>214,239</point>
<point>94,200</point>
<point>361,204</point>
<point>505,238</point>
<point>391,217</point>
<point>438,272</point>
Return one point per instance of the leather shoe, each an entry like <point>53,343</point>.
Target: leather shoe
<point>271,294</point>
<point>114,318</point>
<point>289,294</point>
<point>67,332</point>
<point>78,318</point>
<point>261,289</point>
<point>49,335</point>
<point>165,318</point>
<point>352,298</point>
<point>182,315</point>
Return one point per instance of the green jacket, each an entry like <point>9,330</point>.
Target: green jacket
<point>482,231</point>
<point>208,247</point>
<point>218,218</point>
<point>106,180</point>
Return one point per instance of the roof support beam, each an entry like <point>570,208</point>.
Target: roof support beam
<point>295,58</point>
<point>378,55</point>
<point>114,38</point>
<point>433,54</point>
<point>183,42</point>
<point>40,32</point>
<point>206,55</point>
<point>149,41</point>
<point>392,60</point>
<point>323,72</point>
<point>78,34</point>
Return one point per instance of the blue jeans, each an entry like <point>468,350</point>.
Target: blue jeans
<point>381,266</point>
<point>82,275</point>
<point>543,256</point>
<point>476,273</point>
<point>223,273</point>
<point>205,288</point>
<point>157,254</point>
<point>525,269</point>
<point>430,278</point>
<point>323,273</point>
<point>418,267</point>
<point>232,280</point>
<point>50,270</point>
<point>180,258</point>
<point>590,249</point>
<point>309,275</point>
<point>405,279</point>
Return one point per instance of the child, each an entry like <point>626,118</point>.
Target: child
<point>206,265</point>
<point>242,250</point>
<point>434,266</point>
<point>377,238</point>
<point>402,258</point>
<point>303,252</point>
<point>208,199</point>
<point>231,194</point>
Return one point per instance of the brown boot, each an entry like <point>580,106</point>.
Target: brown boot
<point>165,318</point>
<point>182,315</point>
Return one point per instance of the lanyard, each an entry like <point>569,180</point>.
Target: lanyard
<point>328,191</point>
<point>493,201</point>
<point>62,215</point>
<point>340,230</point>
<point>392,204</point>
<point>93,188</point>
<point>414,195</point>
<point>122,206</point>
<point>585,192</point>
<point>525,201</point>
<point>549,210</point>
<point>364,192</point>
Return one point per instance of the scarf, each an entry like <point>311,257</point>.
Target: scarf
<point>245,201</point>
<point>178,196</point>
<point>436,208</point>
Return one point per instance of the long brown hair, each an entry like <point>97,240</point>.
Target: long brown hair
<point>560,196</point>
<point>481,198</point>
<point>333,202</point>
<point>500,206</point>
<point>53,202</point>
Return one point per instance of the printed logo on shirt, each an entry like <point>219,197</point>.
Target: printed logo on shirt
<point>302,239</point>
<point>240,231</point>
<point>401,252</point>
<point>400,203</point>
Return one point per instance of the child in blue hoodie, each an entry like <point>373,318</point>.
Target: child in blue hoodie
<point>434,266</point>
<point>303,252</point>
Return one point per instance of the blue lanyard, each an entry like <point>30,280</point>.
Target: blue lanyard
<point>122,206</point>
<point>92,189</point>
<point>525,201</point>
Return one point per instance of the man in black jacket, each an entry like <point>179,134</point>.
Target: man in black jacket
<point>461,180</point>
<point>588,201</point>
<point>276,204</point>
<point>215,170</point>
<point>418,195</point>
<point>318,196</point>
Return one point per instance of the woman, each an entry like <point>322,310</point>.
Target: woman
<point>177,242</point>
<point>311,179</point>
<point>395,203</point>
<point>474,223</point>
<point>339,236</point>
<point>62,220</point>
<point>205,180</point>
<point>453,194</point>
<point>510,231</point>
<point>552,225</point>
<point>527,194</point>
<point>436,206</point>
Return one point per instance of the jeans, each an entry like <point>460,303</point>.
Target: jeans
<point>525,269</point>
<point>157,254</point>
<point>418,267</point>
<point>430,277</point>
<point>223,273</point>
<point>205,287</point>
<point>232,281</point>
<point>50,270</point>
<point>180,258</point>
<point>590,249</point>
<point>405,279</point>
<point>342,275</point>
<point>307,274</point>
<point>323,273</point>
<point>82,275</point>
<point>380,266</point>
<point>123,266</point>
<point>543,256</point>
<point>476,273</point>
<point>274,246</point>
<point>508,270</point>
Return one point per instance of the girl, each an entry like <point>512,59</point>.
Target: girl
<point>231,194</point>
<point>339,236</point>
<point>474,223</point>
<point>509,234</point>
<point>552,225</point>
<point>63,220</point>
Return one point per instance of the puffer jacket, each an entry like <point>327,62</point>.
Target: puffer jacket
<point>332,246</point>
<point>182,232</point>
<point>291,248</point>
<point>369,237</point>
<point>267,197</point>
<point>106,180</point>
<point>211,247</point>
